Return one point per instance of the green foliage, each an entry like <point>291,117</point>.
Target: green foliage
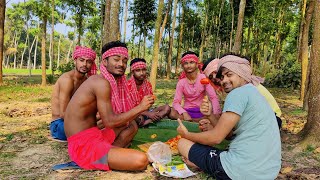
<point>50,78</point>
<point>66,67</point>
<point>289,75</point>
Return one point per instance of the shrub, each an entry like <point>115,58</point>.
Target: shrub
<point>289,75</point>
<point>66,67</point>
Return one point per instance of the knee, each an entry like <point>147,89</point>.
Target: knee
<point>134,126</point>
<point>167,109</point>
<point>141,161</point>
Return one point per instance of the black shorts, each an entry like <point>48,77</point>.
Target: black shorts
<point>207,158</point>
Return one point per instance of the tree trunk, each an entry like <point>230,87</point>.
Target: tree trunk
<point>303,12</point>
<point>180,36</point>
<point>171,39</point>
<point>203,38</point>
<point>311,131</point>
<point>2,19</point>
<point>24,50</point>
<point>58,58</point>
<point>43,50</point>
<point>125,22</point>
<point>303,56</point>
<point>69,51</point>
<point>52,36</point>
<point>15,54</point>
<point>106,24</point>
<point>277,54</point>
<point>29,54</point>
<point>35,53</point>
<point>237,44</point>
<point>232,24</point>
<point>164,21</point>
<point>153,74</point>
<point>114,20</point>
<point>144,44</point>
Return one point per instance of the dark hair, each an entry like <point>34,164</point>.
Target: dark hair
<point>137,60</point>
<point>112,44</point>
<point>205,64</point>
<point>189,52</point>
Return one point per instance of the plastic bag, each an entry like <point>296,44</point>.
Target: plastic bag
<point>159,152</point>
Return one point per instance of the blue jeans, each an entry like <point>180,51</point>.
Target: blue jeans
<point>57,129</point>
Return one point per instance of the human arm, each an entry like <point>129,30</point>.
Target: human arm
<point>214,99</point>
<point>65,94</point>
<point>178,98</point>
<point>109,118</point>
<point>214,136</point>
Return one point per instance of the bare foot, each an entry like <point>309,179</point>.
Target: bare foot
<point>189,163</point>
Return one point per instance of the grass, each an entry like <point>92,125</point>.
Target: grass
<point>24,71</point>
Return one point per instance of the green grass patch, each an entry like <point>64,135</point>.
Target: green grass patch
<point>23,93</point>
<point>25,71</point>
<point>7,155</point>
<point>298,112</point>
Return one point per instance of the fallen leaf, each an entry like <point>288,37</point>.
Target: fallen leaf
<point>317,150</point>
<point>286,170</point>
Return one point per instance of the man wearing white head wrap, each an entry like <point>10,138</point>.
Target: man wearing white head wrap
<point>255,152</point>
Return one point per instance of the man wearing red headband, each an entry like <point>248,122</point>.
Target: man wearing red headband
<point>192,91</point>
<point>101,149</point>
<point>141,87</point>
<point>66,86</point>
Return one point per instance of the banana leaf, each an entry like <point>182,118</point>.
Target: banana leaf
<point>173,124</point>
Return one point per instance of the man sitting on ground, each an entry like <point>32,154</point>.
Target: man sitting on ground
<point>141,87</point>
<point>255,152</point>
<point>88,146</point>
<point>66,86</point>
<point>210,70</point>
<point>192,92</point>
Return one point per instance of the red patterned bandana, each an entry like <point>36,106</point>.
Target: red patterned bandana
<point>145,89</point>
<point>189,57</point>
<point>121,97</point>
<point>86,52</point>
<point>138,65</point>
<point>116,51</point>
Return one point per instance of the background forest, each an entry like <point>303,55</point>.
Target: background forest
<point>281,38</point>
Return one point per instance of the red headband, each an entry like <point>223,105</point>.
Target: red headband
<point>116,51</point>
<point>138,65</point>
<point>190,57</point>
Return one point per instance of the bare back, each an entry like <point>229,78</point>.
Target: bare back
<point>63,90</point>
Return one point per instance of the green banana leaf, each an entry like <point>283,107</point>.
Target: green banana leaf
<point>173,124</point>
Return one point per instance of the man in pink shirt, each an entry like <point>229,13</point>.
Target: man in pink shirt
<point>192,91</point>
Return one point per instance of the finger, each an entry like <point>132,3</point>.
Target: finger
<point>180,122</point>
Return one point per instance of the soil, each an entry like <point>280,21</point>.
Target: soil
<point>27,152</point>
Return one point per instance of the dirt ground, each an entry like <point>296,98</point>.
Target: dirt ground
<point>27,152</point>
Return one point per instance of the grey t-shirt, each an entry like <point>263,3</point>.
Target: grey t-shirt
<point>255,153</point>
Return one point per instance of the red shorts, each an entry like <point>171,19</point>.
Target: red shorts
<point>89,148</point>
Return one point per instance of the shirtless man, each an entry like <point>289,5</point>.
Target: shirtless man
<point>141,87</point>
<point>66,86</point>
<point>108,94</point>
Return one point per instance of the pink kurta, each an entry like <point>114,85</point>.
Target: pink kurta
<point>193,95</point>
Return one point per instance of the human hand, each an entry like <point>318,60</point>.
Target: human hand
<point>146,102</point>
<point>206,106</point>
<point>154,116</point>
<point>186,116</point>
<point>182,130</point>
<point>205,125</point>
